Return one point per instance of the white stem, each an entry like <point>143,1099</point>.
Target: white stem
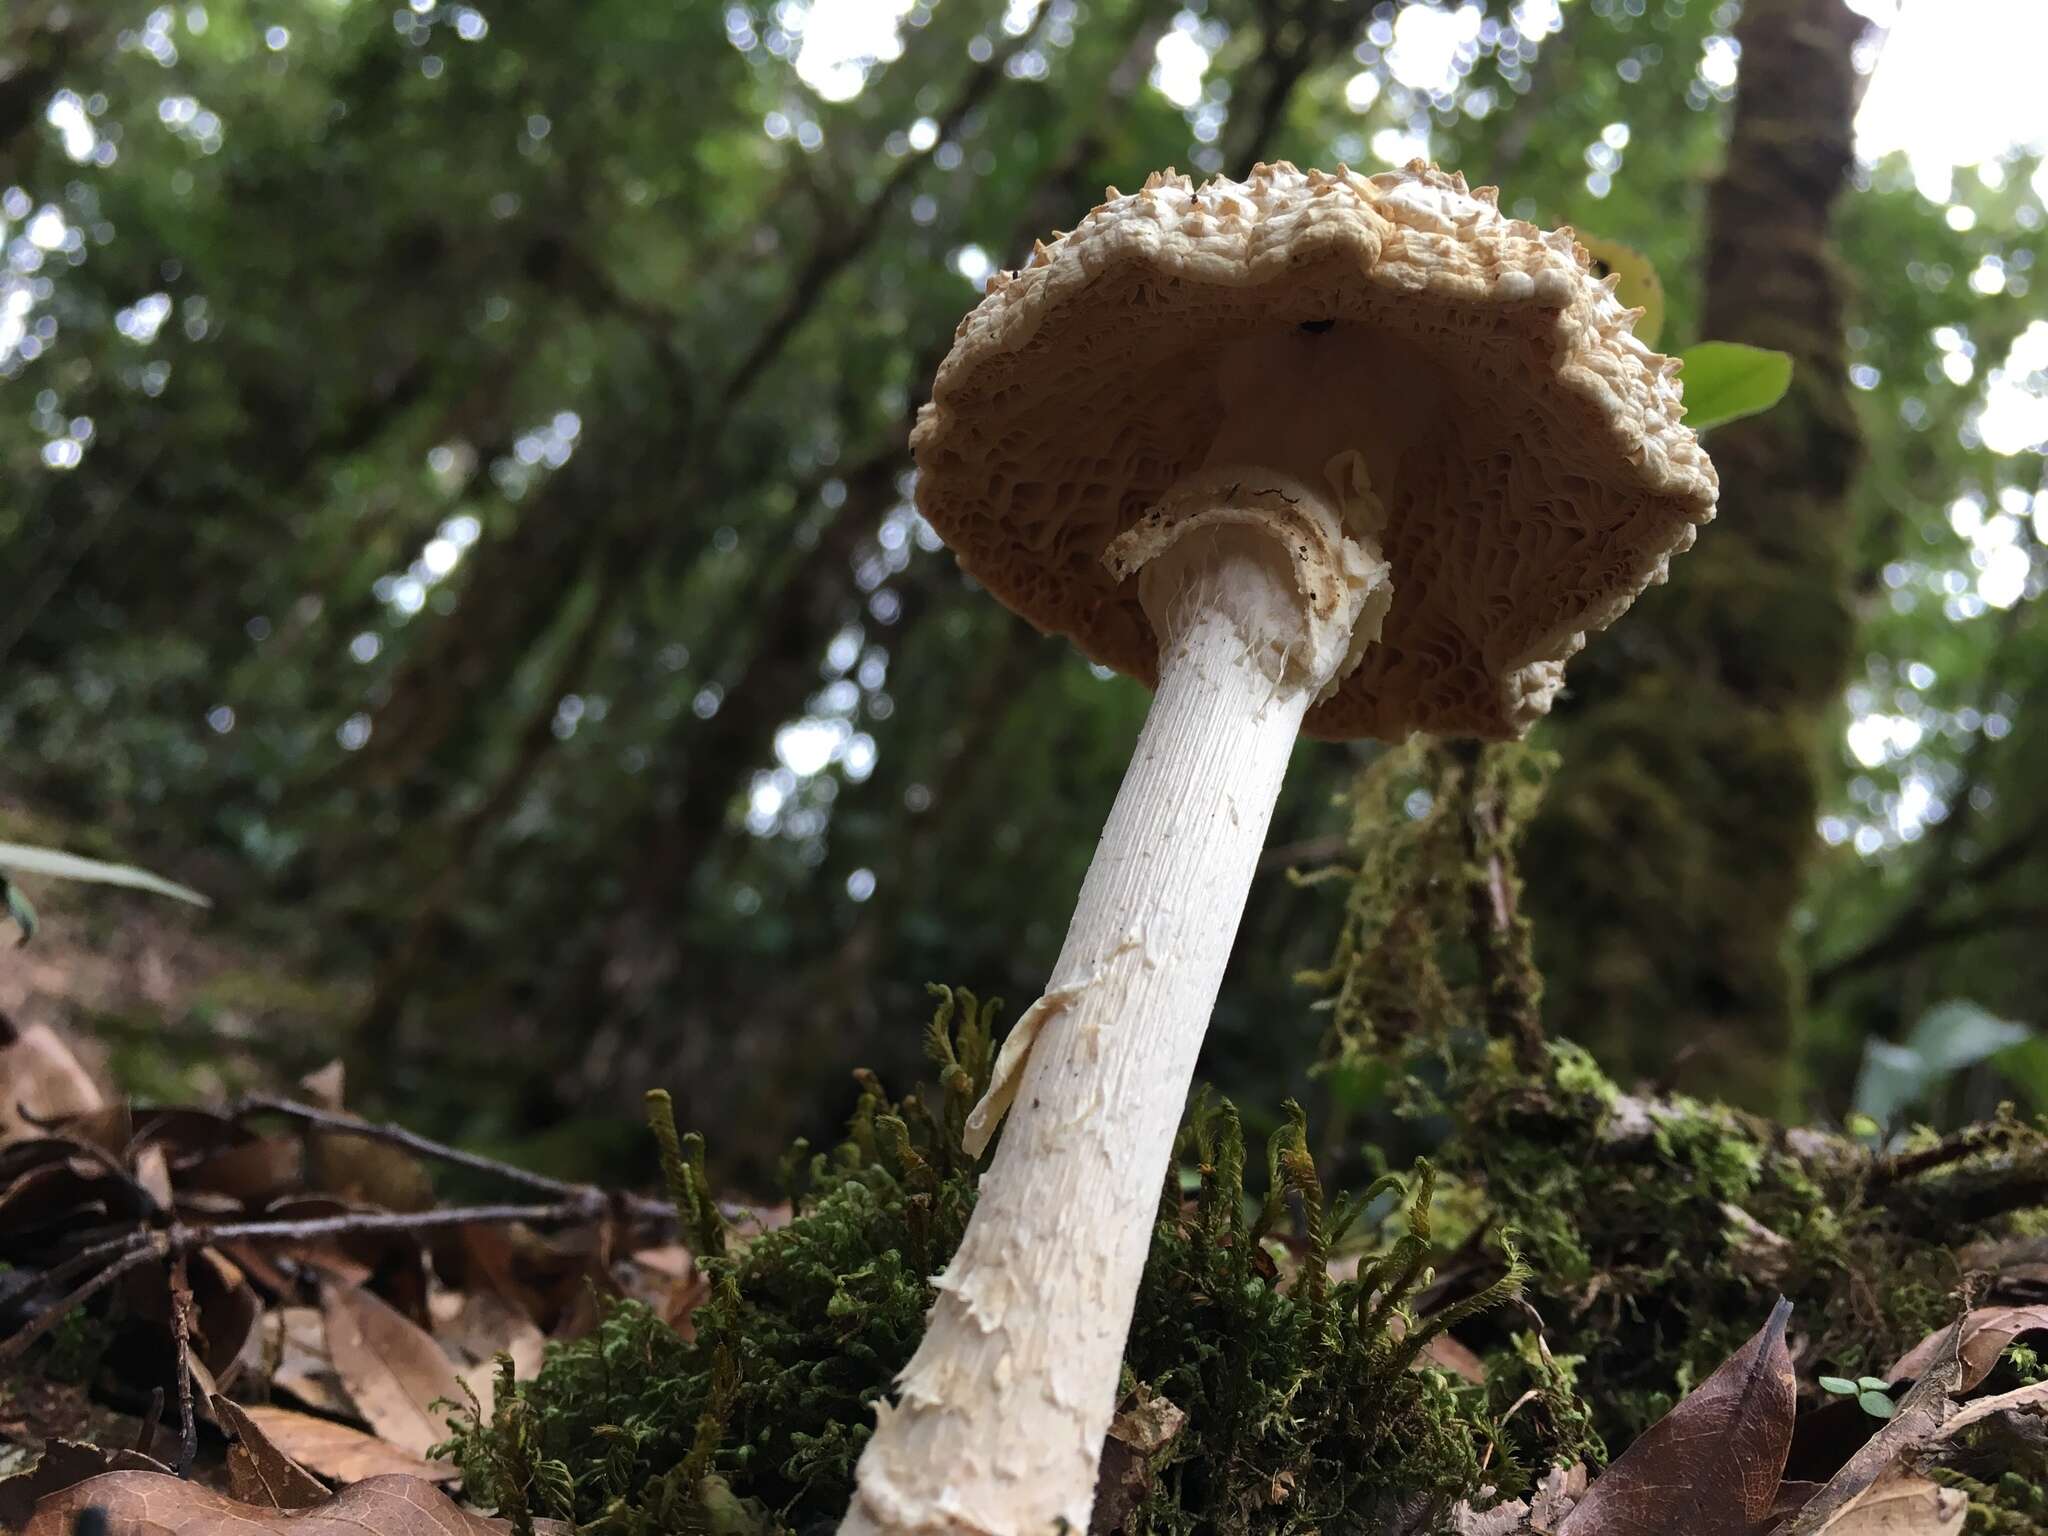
<point>1001,1414</point>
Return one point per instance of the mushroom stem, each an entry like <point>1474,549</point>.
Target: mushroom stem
<point>1000,1416</point>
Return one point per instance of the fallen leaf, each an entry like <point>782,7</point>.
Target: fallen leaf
<point>666,1278</point>
<point>1986,1333</point>
<point>226,1316</point>
<point>258,1472</point>
<point>2027,1399</point>
<point>153,1172</point>
<point>485,1328</point>
<point>391,1366</point>
<point>1560,1490</point>
<point>296,1338</point>
<point>1712,1464</point>
<point>1136,1435</point>
<point>1447,1354</point>
<point>360,1168</point>
<point>1900,1505</point>
<point>337,1452</point>
<point>63,1463</point>
<point>40,1081</point>
<point>135,1503</point>
<point>484,1325</point>
<point>1920,1416</point>
<point>327,1086</point>
<point>254,1173</point>
<point>391,1263</point>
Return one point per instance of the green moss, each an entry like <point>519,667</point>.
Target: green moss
<point>1659,1230</point>
<point>1301,1408</point>
<point>1648,1237</point>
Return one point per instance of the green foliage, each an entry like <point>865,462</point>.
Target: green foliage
<point>17,858</point>
<point>1433,932</point>
<point>1872,1393</point>
<point>19,908</point>
<point>1947,1040</point>
<point>1302,1407</point>
<point>640,1431</point>
<point>1727,380</point>
<point>1654,1227</point>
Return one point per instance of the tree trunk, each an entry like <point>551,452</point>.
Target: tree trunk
<point>1680,828</point>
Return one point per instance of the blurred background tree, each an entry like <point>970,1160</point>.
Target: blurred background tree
<point>454,488</point>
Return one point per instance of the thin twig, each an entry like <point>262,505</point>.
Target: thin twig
<point>144,1243</point>
<point>1310,850</point>
<point>152,1421</point>
<point>588,1200</point>
<point>181,1336</point>
<point>186,1238</point>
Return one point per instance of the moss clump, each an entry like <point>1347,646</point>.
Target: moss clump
<point>756,1422</point>
<point>1289,1394</point>
<point>1659,1229</point>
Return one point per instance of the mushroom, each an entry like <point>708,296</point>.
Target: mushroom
<point>1356,455</point>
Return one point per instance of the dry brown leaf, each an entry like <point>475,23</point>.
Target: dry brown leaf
<point>258,1472</point>
<point>1986,1332</point>
<point>136,1503</point>
<point>40,1080</point>
<point>152,1171</point>
<point>359,1168</point>
<point>1144,1428</point>
<point>337,1452</point>
<point>1541,1513</point>
<point>482,1325</point>
<point>326,1087</point>
<point>63,1463</point>
<point>1918,1419</point>
<point>484,1328</point>
<point>1901,1505</point>
<point>296,1338</point>
<point>395,1260</point>
<point>391,1366</point>
<point>2031,1399</point>
<point>670,1259</point>
<point>1711,1466</point>
<point>254,1173</point>
<point>227,1315</point>
<point>1447,1354</point>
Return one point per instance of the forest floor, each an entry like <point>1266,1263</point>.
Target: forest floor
<point>1590,1312</point>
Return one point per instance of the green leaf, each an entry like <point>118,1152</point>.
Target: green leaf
<point>1726,380</point>
<point>1873,1384</point>
<point>1957,1034</point>
<point>1640,287</point>
<point>19,907</point>
<point>1949,1038</point>
<point>2026,1066</point>
<point>1841,1386</point>
<point>1876,1404</point>
<point>23,860</point>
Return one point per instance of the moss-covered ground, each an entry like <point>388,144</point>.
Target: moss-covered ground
<point>1595,1253</point>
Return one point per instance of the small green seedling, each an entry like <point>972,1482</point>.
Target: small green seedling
<point>1872,1393</point>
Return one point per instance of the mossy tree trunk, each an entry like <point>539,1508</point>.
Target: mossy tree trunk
<point>1676,841</point>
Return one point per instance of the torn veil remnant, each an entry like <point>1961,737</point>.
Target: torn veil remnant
<point>1352,455</point>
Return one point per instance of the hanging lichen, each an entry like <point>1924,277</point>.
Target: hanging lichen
<point>1434,938</point>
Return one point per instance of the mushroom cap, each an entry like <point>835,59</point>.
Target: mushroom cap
<point>1555,483</point>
